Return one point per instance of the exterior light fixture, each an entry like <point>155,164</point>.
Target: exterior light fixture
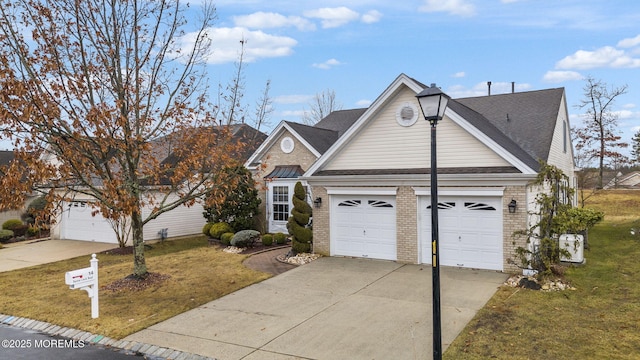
<point>512,206</point>
<point>317,202</point>
<point>433,103</point>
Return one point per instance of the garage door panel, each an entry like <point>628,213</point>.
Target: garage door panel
<point>364,226</point>
<point>470,231</point>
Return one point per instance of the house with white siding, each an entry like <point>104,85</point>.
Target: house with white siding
<point>79,217</point>
<point>368,174</point>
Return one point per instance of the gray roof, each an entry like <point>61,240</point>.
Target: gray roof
<point>521,122</point>
<point>328,130</point>
<point>6,156</point>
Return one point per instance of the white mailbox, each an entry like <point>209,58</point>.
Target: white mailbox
<point>86,279</point>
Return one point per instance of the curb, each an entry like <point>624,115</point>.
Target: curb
<point>152,352</point>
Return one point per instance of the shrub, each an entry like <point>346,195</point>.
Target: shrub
<point>218,229</point>
<point>36,209</point>
<point>298,224</point>
<point>206,228</point>
<point>239,201</point>
<point>225,238</point>
<point>33,230</point>
<point>280,238</point>
<point>267,239</point>
<point>245,238</point>
<point>5,235</point>
<point>20,230</point>
<point>11,224</point>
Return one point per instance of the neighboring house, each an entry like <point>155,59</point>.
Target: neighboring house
<point>77,221</point>
<point>627,181</point>
<point>6,157</point>
<point>369,177</point>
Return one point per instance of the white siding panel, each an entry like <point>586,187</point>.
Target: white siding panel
<point>179,221</point>
<point>383,144</point>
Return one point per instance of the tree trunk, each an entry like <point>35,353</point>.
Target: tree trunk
<point>139,262</point>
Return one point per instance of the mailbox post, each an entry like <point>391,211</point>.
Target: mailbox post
<point>86,279</point>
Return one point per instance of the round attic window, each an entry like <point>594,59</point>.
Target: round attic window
<point>407,114</point>
<point>287,145</point>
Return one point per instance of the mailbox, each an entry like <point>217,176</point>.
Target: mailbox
<point>80,278</point>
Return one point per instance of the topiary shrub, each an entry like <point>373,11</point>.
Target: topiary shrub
<point>298,224</point>
<point>267,239</point>
<point>225,238</point>
<point>5,235</point>
<point>280,238</point>
<point>206,228</point>
<point>11,224</point>
<point>218,229</point>
<point>245,238</point>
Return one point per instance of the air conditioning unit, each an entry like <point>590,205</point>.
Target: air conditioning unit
<point>574,244</point>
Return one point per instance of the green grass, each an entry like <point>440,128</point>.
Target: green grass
<point>198,274</point>
<point>599,320</point>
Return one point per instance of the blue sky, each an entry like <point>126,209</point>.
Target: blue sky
<point>357,48</point>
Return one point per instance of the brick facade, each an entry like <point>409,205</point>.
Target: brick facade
<point>513,223</point>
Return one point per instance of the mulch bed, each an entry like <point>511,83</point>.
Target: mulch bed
<point>132,283</point>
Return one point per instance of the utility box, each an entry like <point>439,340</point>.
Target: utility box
<point>574,244</point>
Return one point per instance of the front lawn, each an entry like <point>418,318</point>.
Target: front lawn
<point>198,273</point>
<point>599,320</point>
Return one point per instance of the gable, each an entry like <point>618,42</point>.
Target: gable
<point>274,155</point>
<point>382,143</point>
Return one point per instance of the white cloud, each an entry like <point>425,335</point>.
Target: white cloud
<point>363,103</point>
<point>629,42</point>
<point>327,64</point>
<point>292,99</point>
<point>371,17</point>
<point>333,17</point>
<point>561,76</point>
<point>459,74</point>
<point>606,56</point>
<point>628,106</point>
<point>268,20</point>
<point>453,7</point>
<point>225,44</point>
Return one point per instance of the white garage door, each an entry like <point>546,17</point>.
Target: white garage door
<point>470,231</point>
<point>78,224</point>
<point>364,226</point>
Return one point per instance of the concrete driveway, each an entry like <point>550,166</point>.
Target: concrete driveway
<point>30,253</point>
<point>333,308</point>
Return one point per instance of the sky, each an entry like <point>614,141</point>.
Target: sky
<point>356,48</point>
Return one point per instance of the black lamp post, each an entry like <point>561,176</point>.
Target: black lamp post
<point>433,103</point>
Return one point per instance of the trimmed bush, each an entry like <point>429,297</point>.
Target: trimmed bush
<point>33,230</point>
<point>280,238</point>
<point>225,238</point>
<point>298,224</point>
<point>11,224</point>
<point>5,234</point>
<point>267,239</point>
<point>218,229</point>
<point>245,238</point>
<point>20,230</point>
<point>206,228</point>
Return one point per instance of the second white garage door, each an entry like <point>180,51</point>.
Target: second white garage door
<point>363,226</point>
<point>470,231</point>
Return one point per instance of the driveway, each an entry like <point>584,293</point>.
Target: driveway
<point>30,253</point>
<point>332,308</point>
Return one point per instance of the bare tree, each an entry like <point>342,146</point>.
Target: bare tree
<point>322,105</point>
<point>597,139</point>
<point>104,99</point>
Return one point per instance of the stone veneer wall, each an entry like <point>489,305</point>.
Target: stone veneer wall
<point>513,223</point>
<point>321,226</point>
<point>275,156</point>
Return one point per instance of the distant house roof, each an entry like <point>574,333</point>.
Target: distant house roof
<point>6,156</point>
